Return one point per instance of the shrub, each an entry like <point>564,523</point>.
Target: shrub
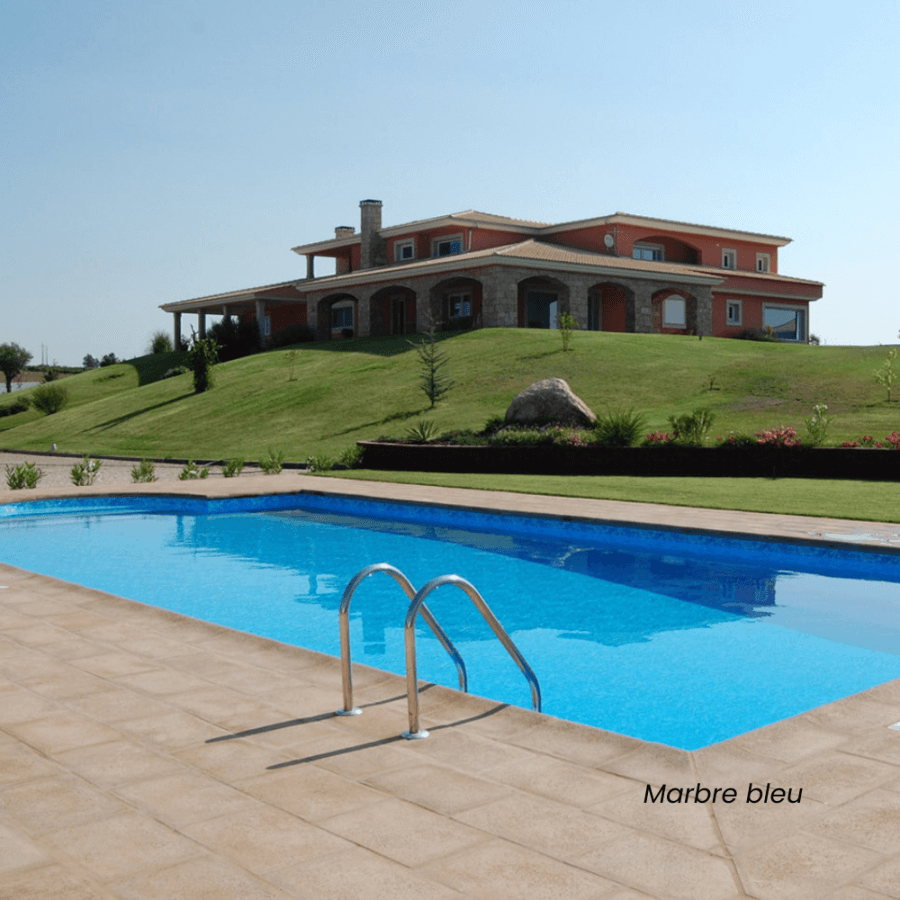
<point>423,431</point>
<point>235,338</point>
<point>621,428</point>
<point>293,334</point>
<point>233,467</point>
<point>352,457</point>
<point>272,464</point>
<point>110,359</point>
<point>738,440</point>
<point>691,428</point>
<point>20,404</point>
<point>817,424</point>
<point>26,475</point>
<point>160,342</point>
<point>494,424</point>
<point>176,371</point>
<point>143,473</point>
<point>320,463</point>
<point>51,375</point>
<point>202,357</point>
<point>758,334</point>
<point>85,472</point>
<point>49,398</point>
<point>657,437</point>
<point>783,436</point>
<point>192,471</point>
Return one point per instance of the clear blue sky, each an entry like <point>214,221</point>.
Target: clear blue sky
<point>159,151</point>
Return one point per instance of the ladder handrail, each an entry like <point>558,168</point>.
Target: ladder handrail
<point>417,606</point>
<point>344,617</point>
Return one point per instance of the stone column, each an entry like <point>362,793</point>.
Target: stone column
<point>201,324</point>
<point>704,310</point>
<point>260,316</point>
<point>578,300</point>
<point>176,343</point>
<point>310,265</point>
<point>640,317</point>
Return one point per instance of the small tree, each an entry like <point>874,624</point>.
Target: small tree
<point>109,360</point>
<point>567,324</point>
<point>90,362</point>
<point>887,375</point>
<point>433,382</point>
<point>160,342</point>
<point>49,398</point>
<point>202,356</point>
<point>13,360</point>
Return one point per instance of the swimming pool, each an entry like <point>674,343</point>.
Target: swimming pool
<point>684,639</point>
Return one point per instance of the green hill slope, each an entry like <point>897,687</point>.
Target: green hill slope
<point>333,394</point>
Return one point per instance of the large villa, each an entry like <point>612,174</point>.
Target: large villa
<point>617,272</point>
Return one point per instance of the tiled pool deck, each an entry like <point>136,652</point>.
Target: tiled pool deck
<point>147,755</point>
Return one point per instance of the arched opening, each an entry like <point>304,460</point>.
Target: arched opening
<point>337,317</point>
<point>541,300</point>
<point>608,307</point>
<point>393,311</point>
<point>674,312</point>
<point>665,248</point>
<point>455,304</point>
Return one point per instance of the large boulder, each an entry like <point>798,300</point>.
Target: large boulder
<point>549,400</point>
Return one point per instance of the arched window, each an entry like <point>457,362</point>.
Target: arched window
<point>674,312</point>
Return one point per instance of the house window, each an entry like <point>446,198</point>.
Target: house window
<point>729,259</point>
<point>447,246</point>
<point>788,322</point>
<point>734,314</point>
<point>654,252</point>
<point>460,305</point>
<point>763,262</point>
<point>674,309</point>
<point>404,250</point>
<point>341,317</point>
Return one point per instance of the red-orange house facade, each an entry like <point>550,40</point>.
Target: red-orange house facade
<point>618,272</point>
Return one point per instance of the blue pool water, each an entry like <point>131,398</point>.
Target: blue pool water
<point>677,638</point>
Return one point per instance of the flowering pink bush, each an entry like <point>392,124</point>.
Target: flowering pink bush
<point>783,436</point>
<point>658,437</point>
<point>892,440</point>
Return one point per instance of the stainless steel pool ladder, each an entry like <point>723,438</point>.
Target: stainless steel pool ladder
<point>416,606</point>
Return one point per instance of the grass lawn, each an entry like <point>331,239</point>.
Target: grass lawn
<point>319,399</point>
<point>873,501</point>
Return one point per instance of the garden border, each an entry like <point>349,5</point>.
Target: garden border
<point>754,461</point>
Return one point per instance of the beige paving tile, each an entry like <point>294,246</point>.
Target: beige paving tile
<point>691,824</point>
<point>46,803</point>
<point>439,788</point>
<point>402,831</point>
<point>577,743</point>
<point>185,797</point>
<point>500,870</point>
<point>554,829</point>
<point>837,777</point>
<point>357,873</point>
<point>854,892</point>
<point>469,753</point>
<point>883,746</point>
<point>117,704</point>
<point>884,878</point>
<point>19,763</point>
<point>173,730</point>
<point>312,793</point>
<point>561,781</point>
<point>231,760</point>
<point>162,682</point>
<point>122,845</point>
<point>51,882</point>
<point>871,820</point>
<point>116,762</point>
<point>663,868</point>
<point>22,705</point>
<point>264,839</point>
<point>201,879</point>
<point>655,763</point>
<point>19,852</point>
<point>111,664</point>
<point>790,740</point>
<point>59,731</point>
<point>800,866</point>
